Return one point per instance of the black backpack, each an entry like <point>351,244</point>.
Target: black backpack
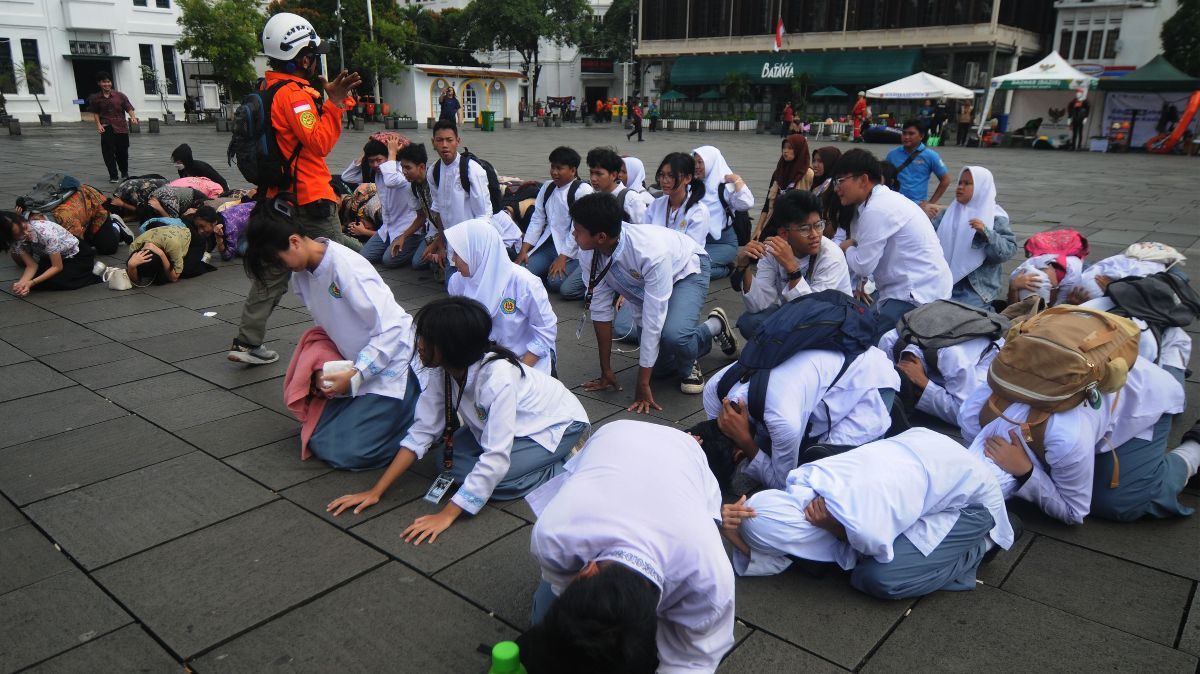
<point>740,219</point>
<point>943,323</point>
<point>253,145</point>
<point>1163,300</point>
<point>50,192</point>
<point>493,180</point>
<point>570,193</point>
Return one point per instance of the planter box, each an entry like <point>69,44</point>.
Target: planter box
<point>44,120</point>
<point>169,118</point>
<point>428,122</point>
<point>222,124</point>
<point>154,125</point>
<point>389,123</point>
<point>508,122</point>
<point>359,124</point>
<point>405,124</point>
<point>14,127</point>
<point>135,128</point>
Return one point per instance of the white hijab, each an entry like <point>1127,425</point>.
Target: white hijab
<point>479,245</point>
<point>636,172</point>
<point>715,170</point>
<point>955,232</point>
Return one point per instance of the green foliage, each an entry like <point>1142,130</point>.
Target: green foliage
<point>798,86</point>
<point>149,74</point>
<point>518,25</point>
<point>1181,38</point>
<point>441,37</point>
<point>34,78</point>
<point>737,88</point>
<point>227,33</point>
<point>611,37</point>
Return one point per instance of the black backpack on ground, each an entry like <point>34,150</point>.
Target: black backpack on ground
<point>943,323</point>
<point>254,146</point>
<point>1164,300</point>
<point>740,219</point>
<point>493,180</point>
<point>50,192</point>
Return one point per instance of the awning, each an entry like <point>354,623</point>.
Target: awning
<point>856,67</point>
<point>828,92</point>
<point>1157,75</point>
<point>94,57</point>
<point>465,71</point>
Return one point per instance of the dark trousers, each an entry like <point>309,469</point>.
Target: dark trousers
<point>76,272</point>
<point>637,128</point>
<point>1076,135</point>
<point>115,149</point>
<point>105,239</point>
<point>963,130</point>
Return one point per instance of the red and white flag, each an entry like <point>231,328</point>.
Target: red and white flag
<point>779,35</point>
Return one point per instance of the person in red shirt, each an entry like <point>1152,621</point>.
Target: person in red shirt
<point>860,116</point>
<point>109,107</point>
<point>299,115</point>
<point>788,116</point>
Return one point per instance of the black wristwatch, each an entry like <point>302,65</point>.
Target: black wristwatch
<point>798,274</point>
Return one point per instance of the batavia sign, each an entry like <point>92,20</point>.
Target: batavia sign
<point>777,71</point>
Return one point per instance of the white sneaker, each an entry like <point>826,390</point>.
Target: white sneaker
<point>693,384</point>
<point>98,268</point>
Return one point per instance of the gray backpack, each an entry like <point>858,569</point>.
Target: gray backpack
<point>943,323</point>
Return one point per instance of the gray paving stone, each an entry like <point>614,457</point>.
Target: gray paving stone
<point>464,537</point>
<point>475,577</point>
<point>193,296</point>
<point>152,324</point>
<point>1179,241</point>
<point>228,374</point>
<point>519,507</point>
<point>109,520</point>
<point>232,313</point>
<point>60,463</point>
<point>20,313</point>
<point>137,368</point>
<point>10,354</point>
<point>50,336</point>
<point>238,433</point>
<point>77,359</point>
<point>45,414</point>
<point>195,410</point>
<point>316,638</point>
<point>314,495</point>
<point>267,393</point>
<point>1135,599</point>
<point>999,567</point>
<point>278,465</point>
<point>764,653</point>
<point>965,631</point>
<point>179,346</point>
<point>92,293</point>
<point>137,395</point>
<point>29,378</point>
<point>46,618</point>
<point>128,649</point>
<point>1189,638</point>
<point>26,556</point>
<point>204,588</point>
<point>599,410</point>
<point>1115,236</point>
<point>116,307</point>
<point>821,615</point>
<point>9,516</point>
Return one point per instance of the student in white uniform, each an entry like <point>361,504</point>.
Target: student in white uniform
<point>892,242</point>
<point>798,260</point>
<point>959,369</point>
<point>604,165</point>
<point>1140,259</point>
<point>395,194</point>
<point>680,207</point>
<point>520,425</point>
<point>371,406</point>
<point>633,176</point>
<point>908,516</point>
<point>451,203</point>
<point>721,184</point>
<point>976,238</point>
<point>522,320</point>
<point>549,250</point>
<point>1049,276</point>
<point>632,564</point>
<point>807,402</point>
<point>663,276</point>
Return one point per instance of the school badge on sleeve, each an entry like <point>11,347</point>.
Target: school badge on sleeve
<point>508,306</point>
<point>307,119</point>
<point>335,291</point>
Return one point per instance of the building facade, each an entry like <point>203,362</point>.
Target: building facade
<point>73,40</point>
<point>1108,38</point>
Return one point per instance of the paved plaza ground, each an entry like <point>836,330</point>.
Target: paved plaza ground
<point>155,512</point>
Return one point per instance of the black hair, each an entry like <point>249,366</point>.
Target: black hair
<point>445,124</point>
<point>598,212</point>
<point>7,220</point>
<point>604,624</point>
<point>888,174</point>
<point>794,207</point>
<point>683,164</point>
<point>151,271</point>
<point>914,123</point>
<point>374,147</point>
<point>208,213</point>
<point>102,75</point>
<point>856,162</point>
<point>413,152</point>
<point>458,329</point>
<point>565,156</point>
<point>268,233</point>
<point>281,65</point>
<point>605,158</point>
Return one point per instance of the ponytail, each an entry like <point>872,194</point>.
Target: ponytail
<point>695,194</point>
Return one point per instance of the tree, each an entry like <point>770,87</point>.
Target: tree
<point>30,74</point>
<point>737,88</point>
<point>1181,38</point>
<point>227,34</point>
<point>521,25</point>
<point>613,36</point>
<point>441,37</point>
<point>149,74</point>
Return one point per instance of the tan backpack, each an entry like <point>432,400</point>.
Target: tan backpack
<point>1054,362</point>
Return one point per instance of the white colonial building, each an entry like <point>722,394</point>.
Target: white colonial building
<point>1109,38</point>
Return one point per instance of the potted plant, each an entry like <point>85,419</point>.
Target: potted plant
<point>7,80</point>
<point>34,78</point>
<point>151,75</point>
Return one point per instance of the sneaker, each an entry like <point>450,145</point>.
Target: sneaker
<point>693,384</point>
<point>726,338</point>
<point>98,268</point>
<point>125,177</point>
<point>123,231</point>
<point>258,355</point>
<point>114,181</point>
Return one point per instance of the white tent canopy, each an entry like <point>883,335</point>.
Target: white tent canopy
<point>1052,72</point>
<point>920,85</point>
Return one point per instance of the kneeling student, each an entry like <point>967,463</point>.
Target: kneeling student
<point>168,253</point>
<point>520,424</point>
<point>48,255</point>
<point>370,405</point>
<point>548,249</point>
<point>908,516</point>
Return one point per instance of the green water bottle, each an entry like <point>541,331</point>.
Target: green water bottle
<point>506,659</point>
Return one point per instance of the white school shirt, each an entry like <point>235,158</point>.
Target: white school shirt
<point>498,405</point>
<point>642,495</point>
<point>395,194</point>
<point>510,233</point>
<point>453,203</point>
<point>646,264</point>
<point>1065,490</point>
<point>961,368</point>
<point>1176,347</point>
<point>359,313</point>
<point>554,220</point>
<point>1149,392</point>
<point>738,200</point>
<point>914,485</point>
<point>799,394</point>
<point>896,245</point>
<point>771,286</point>
<point>693,222</point>
<point>352,174</point>
<point>633,204</point>
<point>524,322</point>
<point>1035,264</point>
<point>1116,267</point>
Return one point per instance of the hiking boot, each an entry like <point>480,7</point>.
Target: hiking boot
<point>257,355</point>
<point>726,338</point>
<point>693,384</point>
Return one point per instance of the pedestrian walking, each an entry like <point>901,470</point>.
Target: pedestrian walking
<point>449,105</point>
<point>635,114</point>
<point>789,116</point>
<point>966,114</point>
<point>109,108</point>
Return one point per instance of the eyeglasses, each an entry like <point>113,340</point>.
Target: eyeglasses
<point>838,181</point>
<point>818,226</point>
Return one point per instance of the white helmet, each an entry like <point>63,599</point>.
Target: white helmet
<point>286,34</point>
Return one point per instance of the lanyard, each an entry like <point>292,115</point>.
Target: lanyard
<point>594,279</point>
<point>669,221</point>
<point>451,423</point>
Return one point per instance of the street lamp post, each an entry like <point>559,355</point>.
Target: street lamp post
<point>371,30</point>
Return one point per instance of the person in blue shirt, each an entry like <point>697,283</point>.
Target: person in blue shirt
<point>916,163</point>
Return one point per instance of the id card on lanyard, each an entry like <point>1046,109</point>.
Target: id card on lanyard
<point>444,481</point>
<point>594,278</point>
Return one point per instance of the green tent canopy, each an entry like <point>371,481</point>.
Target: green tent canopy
<point>829,92</point>
<point>710,95</point>
<point>673,95</point>
<point>1157,75</point>
<point>849,67</point>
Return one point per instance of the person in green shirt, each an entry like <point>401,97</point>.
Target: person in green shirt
<point>167,254</point>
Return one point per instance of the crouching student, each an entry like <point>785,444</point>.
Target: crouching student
<point>1049,276</point>
<point>796,261</point>
<point>168,253</point>
<point>48,255</point>
<point>634,576</point>
<point>370,405</point>
<point>663,276</point>
<point>522,320</point>
<point>548,249</point>
<point>521,425</point>
<point>907,516</point>
<point>228,227</point>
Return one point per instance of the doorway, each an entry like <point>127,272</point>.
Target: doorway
<point>593,94</point>
<point>85,78</point>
